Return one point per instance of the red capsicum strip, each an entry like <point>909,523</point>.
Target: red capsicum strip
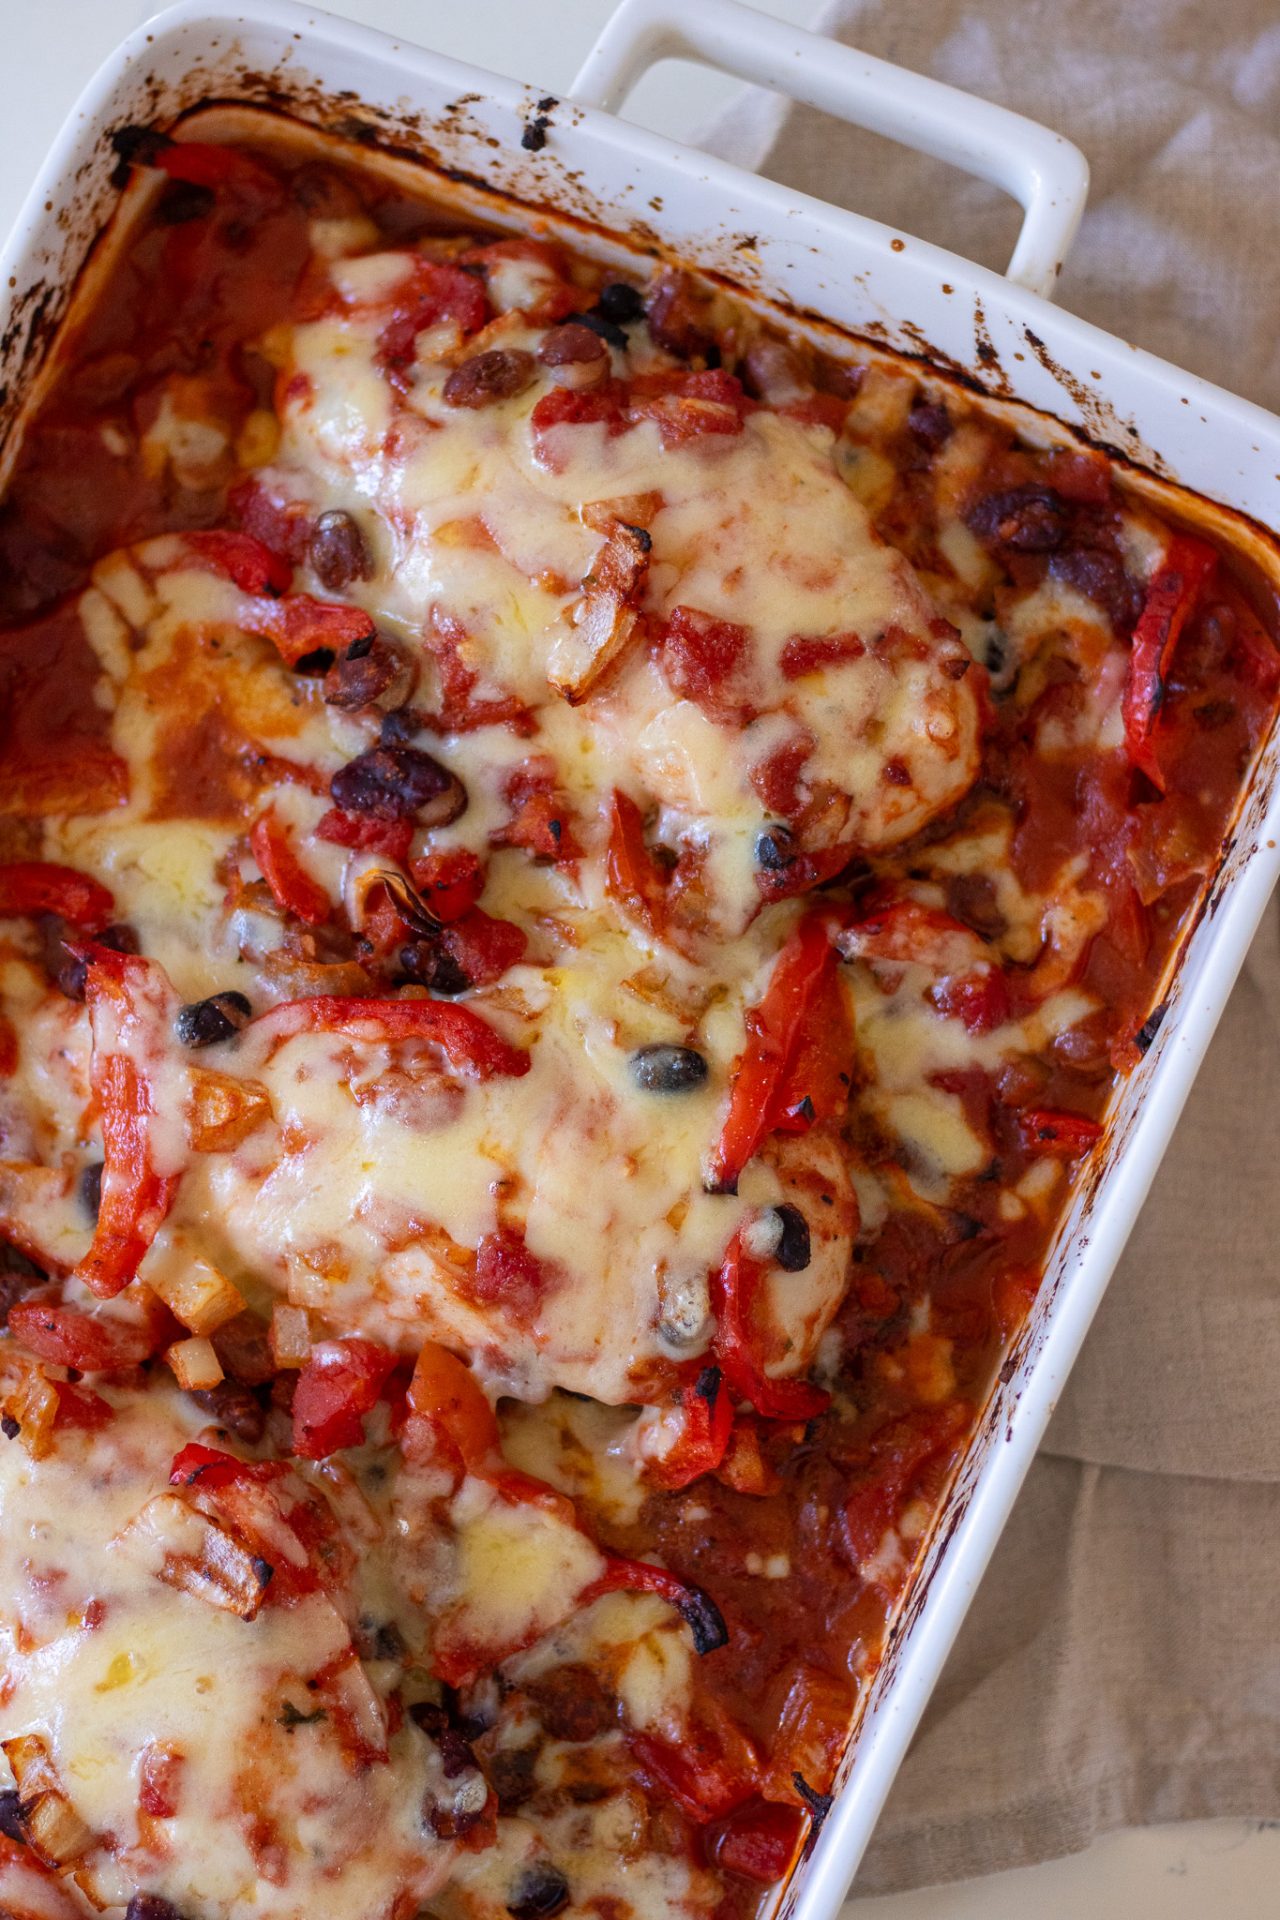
<point>632,876</point>
<point>298,625</point>
<point>40,886</point>
<point>292,887</point>
<point>1171,599</point>
<point>735,1287</point>
<point>697,1609</point>
<point>469,1042</point>
<point>784,1026</point>
<point>243,559</point>
<point>705,1432</point>
<point>135,1197</point>
<point>1053,1130</point>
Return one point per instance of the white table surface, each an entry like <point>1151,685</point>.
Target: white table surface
<point>1214,1870</point>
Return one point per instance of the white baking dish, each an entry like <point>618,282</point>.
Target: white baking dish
<point>1001,333</point>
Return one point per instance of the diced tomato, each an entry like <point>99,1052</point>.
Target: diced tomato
<point>713,1770</point>
<point>897,1455</point>
<point>803,871</point>
<point>484,947</point>
<point>806,653</point>
<point>469,1042</point>
<point>159,1779</point>
<point>979,999</point>
<point>366,833</point>
<point>284,527</point>
<point>735,1288</point>
<point>1171,599</point>
<point>135,1197</point>
<point>632,876</point>
<point>1053,1130</point>
<point>579,407</point>
<point>83,1338</point>
<point>540,821</point>
<point>507,1274</point>
<point>450,881</point>
<point>243,559</point>
<point>705,1425</point>
<point>701,659</point>
<point>687,406</point>
<point>758,1840</point>
<point>461,711</point>
<point>292,887</point>
<point>788,1037</point>
<point>431,292</point>
<point>40,886</point>
<point>339,1385</point>
<point>446,1397</point>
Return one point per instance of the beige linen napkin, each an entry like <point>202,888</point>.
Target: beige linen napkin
<point>1120,1663</point>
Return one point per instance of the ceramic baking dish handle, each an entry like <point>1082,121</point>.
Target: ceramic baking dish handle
<point>1045,173</point>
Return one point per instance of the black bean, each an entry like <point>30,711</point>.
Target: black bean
<point>572,1703</point>
<point>10,1805</point>
<point>150,1906</point>
<point>10,1428</point>
<point>203,1023</point>
<point>399,783</point>
<point>601,325</point>
<point>233,1407</point>
<point>668,1069</point>
<point>374,1641</point>
<point>539,1891</point>
<point>369,670</point>
<point>773,848</point>
<point>620,302</point>
<point>1024,519</point>
<point>930,423</point>
<point>426,963</point>
<point>793,1251</point>
<point>91,1189</point>
<point>337,551</point>
<point>486,378</point>
<point>510,1773</point>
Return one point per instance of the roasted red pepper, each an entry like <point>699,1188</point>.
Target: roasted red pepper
<point>292,887</point>
<point>735,1287</point>
<point>243,559</point>
<point>632,876</point>
<point>297,625</point>
<point>448,1401</point>
<point>714,1769</point>
<point>469,1042</point>
<point>69,1336</point>
<point>1052,1130</point>
<point>697,1609</point>
<point>1171,599</point>
<point>40,886</point>
<point>339,1385</point>
<point>135,1197</point>
<point>706,1423</point>
<point>794,1068</point>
